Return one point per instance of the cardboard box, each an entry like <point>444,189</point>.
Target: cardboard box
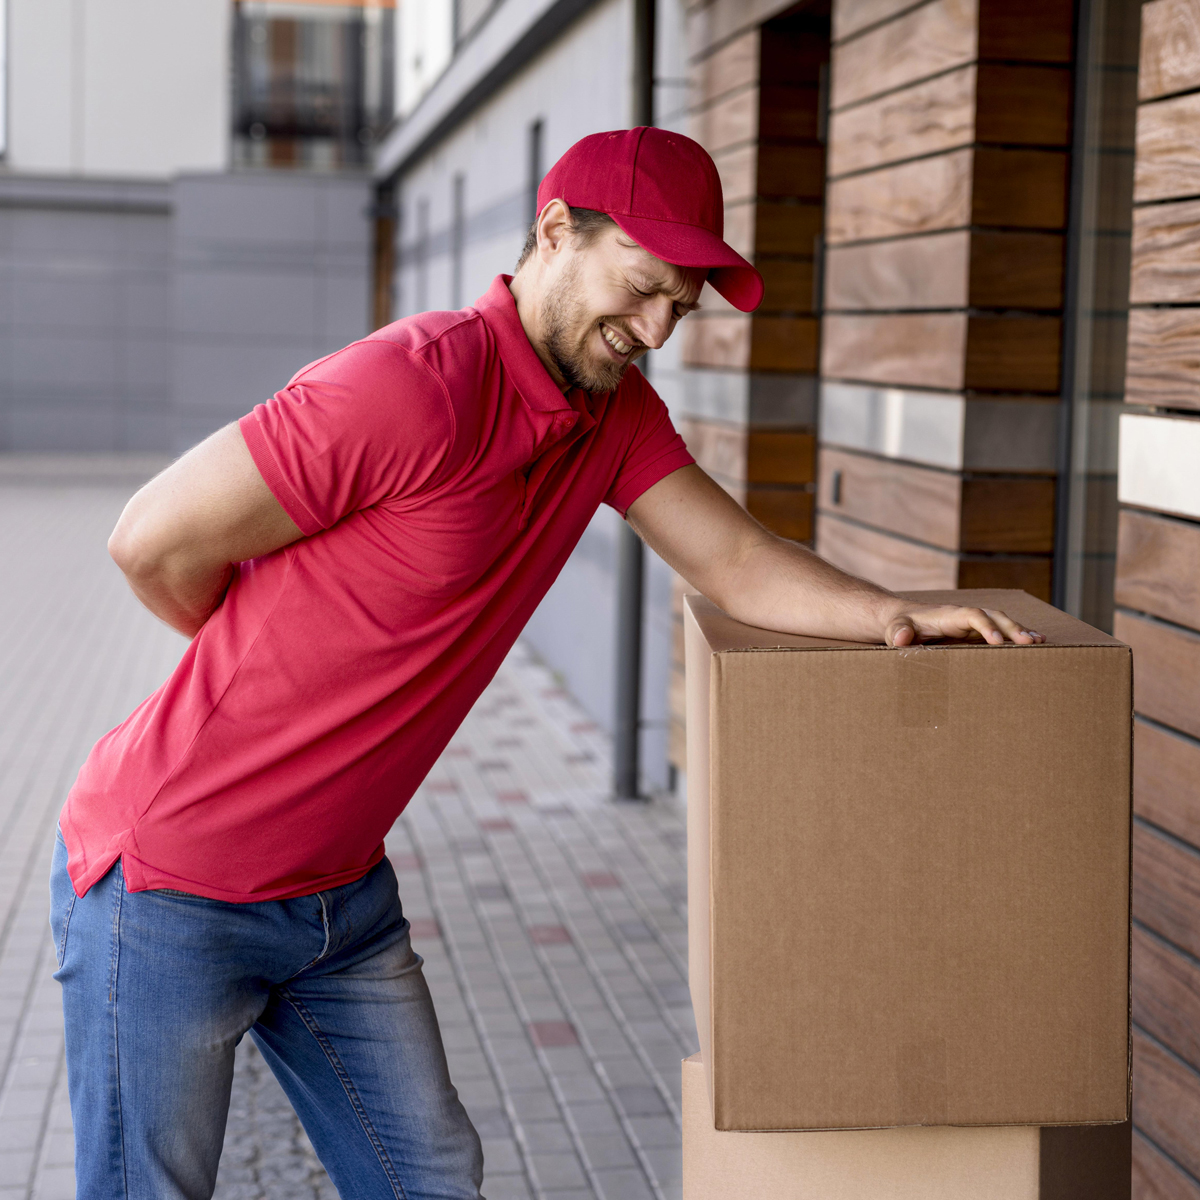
<point>1008,1162</point>
<point>908,875</point>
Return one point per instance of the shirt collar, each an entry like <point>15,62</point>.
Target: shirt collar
<point>528,373</point>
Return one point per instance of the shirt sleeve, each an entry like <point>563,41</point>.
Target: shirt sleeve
<point>369,424</point>
<point>655,449</point>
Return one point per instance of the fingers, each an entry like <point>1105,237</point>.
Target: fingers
<point>945,621</point>
<point>901,632</point>
<point>1013,630</point>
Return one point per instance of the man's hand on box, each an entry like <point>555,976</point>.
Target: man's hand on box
<point>932,622</point>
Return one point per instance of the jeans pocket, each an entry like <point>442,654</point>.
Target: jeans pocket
<point>62,900</point>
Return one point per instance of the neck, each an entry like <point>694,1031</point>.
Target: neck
<point>525,292</point>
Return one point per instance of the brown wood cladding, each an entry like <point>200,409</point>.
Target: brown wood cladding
<point>1011,269</point>
<point>919,43</point>
<point>850,16</point>
<point>1166,1000</point>
<point>786,512</point>
<point>787,285</point>
<point>1166,1101</point>
<point>1167,164</point>
<point>1028,30</point>
<point>1166,671</point>
<point>1007,516</point>
<point>943,350</point>
<point>1156,1177</point>
<point>920,272</point>
<point>729,121</point>
<point>756,456</point>
<point>1170,51</point>
<point>1166,781</point>
<point>1166,888</point>
<point>1014,104</point>
<point>1165,266</point>
<point>1163,357</point>
<point>926,118</point>
<point>1025,189</point>
<point>784,344</point>
<point>1158,567</point>
<point>786,228</point>
<point>789,112</point>
<point>791,171</point>
<point>734,65</point>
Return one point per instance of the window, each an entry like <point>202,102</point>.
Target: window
<point>313,83</point>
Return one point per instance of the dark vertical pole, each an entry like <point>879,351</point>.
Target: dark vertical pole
<point>534,169</point>
<point>630,555</point>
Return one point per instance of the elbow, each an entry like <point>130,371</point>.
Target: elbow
<point>131,552</point>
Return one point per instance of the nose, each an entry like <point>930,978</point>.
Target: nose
<point>654,326</point>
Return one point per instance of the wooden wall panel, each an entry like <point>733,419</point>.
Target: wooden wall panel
<point>787,285</point>
<point>785,511</point>
<point>792,171</point>
<point>1166,888</point>
<point>852,16</point>
<point>785,228</point>
<point>1166,1101</point>
<point>1166,781</point>
<point>902,349</point>
<point>920,272</point>
<point>781,456</point>
<point>1165,265</point>
<point>1166,1002</point>
<point>1156,1177</point>
<point>920,43</point>
<point>1015,353</point>
<point>888,561</point>
<point>916,197</point>
<point>1167,165</point>
<point>931,117</point>
<point>711,341</point>
<point>1158,566</point>
<point>729,121</point>
<point>1162,362</point>
<point>1030,30</point>
<point>1166,671</point>
<point>734,65</point>
<point>1024,105</point>
<point>916,502</point>
<point>1170,51</point>
<point>1031,575</point>
<point>784,344</point>
<point>1016,270</point>
<point>788,111</point>
<point>1026,189</point>
<point>1007,516</point>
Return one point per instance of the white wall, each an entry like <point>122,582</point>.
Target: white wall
<point>425,42</point>
<point>134,88</point>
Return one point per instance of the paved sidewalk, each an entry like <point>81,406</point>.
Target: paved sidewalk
<point>551,920</point>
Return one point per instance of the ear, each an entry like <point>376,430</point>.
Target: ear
<point>553,229</point>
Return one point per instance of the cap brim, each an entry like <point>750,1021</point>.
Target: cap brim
<point>691,246</point>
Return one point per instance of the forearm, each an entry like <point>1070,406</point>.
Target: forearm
<point>181,595</point>
<point>780,585</point>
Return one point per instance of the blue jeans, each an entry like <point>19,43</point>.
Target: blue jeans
<point>158,989</point>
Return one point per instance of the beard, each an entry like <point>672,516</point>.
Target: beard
<point>566,328</point>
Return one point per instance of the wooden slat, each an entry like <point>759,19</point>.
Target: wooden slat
<point>1027,30</point>
<point>1163,357</point>
<point>849,16</point>
<point>1166,1101</point>
<point>780,456</point>
<point>1156,1177</point>
<point>1166,887</point>
<point>789,111</point>
<point>791,170</point>
<point>916,197</point>
<point>1022,189</point>
<point>787,284</point>
<point>1166,995</point>
<point>1013,353</point>
<point>1008,516</point>
<point>888,561</point>
<point>1170,53</point>
<point>929,117</point>
<point>1166,671</point>
<point>913,349</point>
<point>1158,566</point>
<point>1165,267</point>
<point>1031,575</point>
<point>1167,164</point>
<point>795,49</point>
<point>716,341</point>
<point>1011,269</point>
<point>737,167</point>
<point>1166,781</point>
<point>734,65</point>
<point>1022,104</point>
<point>729,121</point>
<point>916,502</point>
<point>784,343</point>
<point>784,228</point>
<point>920,272</point>
<point>785,511</point>
<point>918,44</point>
<point>739,228</point>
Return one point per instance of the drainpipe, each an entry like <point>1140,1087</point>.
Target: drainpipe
<point>630,552</point>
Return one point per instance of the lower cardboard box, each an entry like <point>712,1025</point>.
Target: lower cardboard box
<point>1006,1162</point>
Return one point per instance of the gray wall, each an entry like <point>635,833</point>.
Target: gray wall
<point>142,316</point>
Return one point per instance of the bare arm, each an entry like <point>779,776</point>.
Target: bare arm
<point>772,583</point>
<point>181,534</point>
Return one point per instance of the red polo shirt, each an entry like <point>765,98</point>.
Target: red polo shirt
<point>441,480</point>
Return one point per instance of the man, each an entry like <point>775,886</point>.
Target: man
<point>352,561</point>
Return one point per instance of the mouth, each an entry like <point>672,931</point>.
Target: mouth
<point>618,348</point>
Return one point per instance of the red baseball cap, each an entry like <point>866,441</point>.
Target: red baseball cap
<point>663,190</point>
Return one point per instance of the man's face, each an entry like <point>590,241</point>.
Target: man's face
<point>609,303</point>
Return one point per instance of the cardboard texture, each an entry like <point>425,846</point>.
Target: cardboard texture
<point>908,875</point>
<point>1007,1162</point>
